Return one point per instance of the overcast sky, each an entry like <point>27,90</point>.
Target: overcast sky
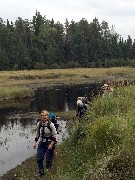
<point>120,13</point>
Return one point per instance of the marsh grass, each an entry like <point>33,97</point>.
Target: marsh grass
<point>53,77</point>
<point>15,92</point>
<point>91,72</point>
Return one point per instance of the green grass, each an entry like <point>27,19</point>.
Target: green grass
<point>102,145</point>
<point>14,92</point>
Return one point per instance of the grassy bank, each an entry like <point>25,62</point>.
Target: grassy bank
<point>100,147</point>
<point>14,84</point>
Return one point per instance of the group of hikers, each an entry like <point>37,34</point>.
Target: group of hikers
<point>47,130</point>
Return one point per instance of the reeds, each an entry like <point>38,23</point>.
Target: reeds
<point>14,92</point>
<point>53,77</point>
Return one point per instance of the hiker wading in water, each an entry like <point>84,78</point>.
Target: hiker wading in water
<point>82,106</point>
<point>47,133</point>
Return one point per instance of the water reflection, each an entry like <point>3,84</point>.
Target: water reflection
<point>66,105</point>
<point>63,98</point>
<point>16,142</point>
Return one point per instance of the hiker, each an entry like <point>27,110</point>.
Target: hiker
<point>81,106</point>
<point>47,133</point>
<point>85,103</point>
<point>106,89</point>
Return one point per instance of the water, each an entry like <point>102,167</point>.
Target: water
<point>62,98</point>
<point>16,142</point>
<point>18,121</point>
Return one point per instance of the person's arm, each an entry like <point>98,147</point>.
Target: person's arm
<point>37,135</point>
<point>54,136</point>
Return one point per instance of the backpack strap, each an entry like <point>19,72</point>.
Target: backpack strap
<point>48,125</point>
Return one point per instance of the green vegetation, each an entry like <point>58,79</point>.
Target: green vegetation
<point>44,44</point>
<point>14,92</point>
<point>100,147</point>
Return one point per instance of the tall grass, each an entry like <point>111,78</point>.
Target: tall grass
<point>14,92</point>
<point>19,77</point>
<point>52,77</point>
<point>102,145</point>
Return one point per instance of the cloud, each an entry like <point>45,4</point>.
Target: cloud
<point>119,13</point>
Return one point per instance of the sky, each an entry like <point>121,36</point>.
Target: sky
<point>119,13</point>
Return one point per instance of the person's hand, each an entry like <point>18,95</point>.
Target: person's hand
<point>51,145</point>
<point>34,146</point>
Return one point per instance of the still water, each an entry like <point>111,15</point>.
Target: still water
<point>18,120</point>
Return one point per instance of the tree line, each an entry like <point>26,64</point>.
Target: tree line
<point>42,44</point>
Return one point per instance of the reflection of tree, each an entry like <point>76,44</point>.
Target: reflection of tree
<point>10,123</point>
<point>24,123</point>
<point>49,99</point>
<point>2,118</point>
<point>16,126</point>
<point>66,104</point>
<point>12,108</point>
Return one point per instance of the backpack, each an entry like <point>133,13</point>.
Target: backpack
<point>48,125</point>
<point>53,119</point>
<point>41,133</point>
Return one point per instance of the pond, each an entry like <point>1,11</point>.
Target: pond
<point>18,120</point>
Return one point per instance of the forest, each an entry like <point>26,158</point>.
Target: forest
<point>44,44</point>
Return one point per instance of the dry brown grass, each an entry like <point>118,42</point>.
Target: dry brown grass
<point>37,78</point>
<point>60,75</point>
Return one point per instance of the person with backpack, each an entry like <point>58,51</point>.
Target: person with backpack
<point>82,106</point>
<point>79,108</point>
<point>47,134</point>
<point>107,89</point>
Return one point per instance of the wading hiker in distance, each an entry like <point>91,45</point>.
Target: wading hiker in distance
<point>107,89</point>
<point>47,133</point>
<point>81,106</point>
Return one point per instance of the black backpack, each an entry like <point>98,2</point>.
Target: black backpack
<point>48,125</point>
<point>42,132</point>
